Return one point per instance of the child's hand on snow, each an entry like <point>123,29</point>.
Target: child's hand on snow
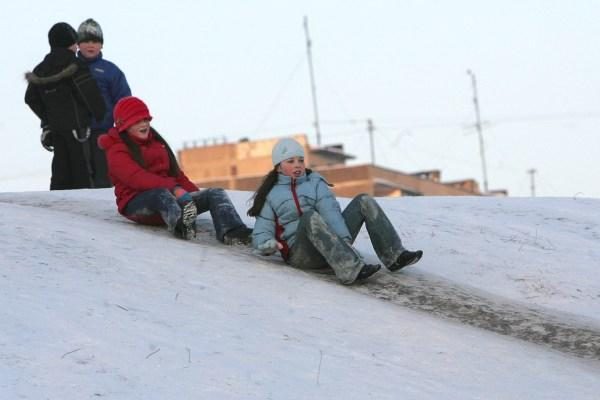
<point>268,247</point>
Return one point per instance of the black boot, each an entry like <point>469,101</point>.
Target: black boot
<point>239,235</point>
<point>405,259</point>
<point>367,270</point>
<point>186,224</point>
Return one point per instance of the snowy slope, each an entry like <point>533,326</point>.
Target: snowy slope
<point>93,306</point>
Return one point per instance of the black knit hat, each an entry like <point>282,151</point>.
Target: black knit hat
<point>89,31</point>
<point>62,35</point>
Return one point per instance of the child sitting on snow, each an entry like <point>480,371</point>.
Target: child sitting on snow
<point>151,188</point>
<point>297,214</point>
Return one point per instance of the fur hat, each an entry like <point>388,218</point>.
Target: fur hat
<point>89,31</point>
<point>129,111</point>
<point>286,148</point>
<point>62,35</point>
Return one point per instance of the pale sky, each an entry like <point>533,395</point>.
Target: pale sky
<point>239,69</point>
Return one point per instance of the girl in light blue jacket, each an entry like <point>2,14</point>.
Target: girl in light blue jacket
<point>297,214</point>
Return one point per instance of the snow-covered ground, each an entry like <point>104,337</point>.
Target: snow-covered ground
<point>93,306</point>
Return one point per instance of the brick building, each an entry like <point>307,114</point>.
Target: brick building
<point>242,166</point>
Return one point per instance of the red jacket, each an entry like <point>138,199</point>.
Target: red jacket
<point>129,177</point>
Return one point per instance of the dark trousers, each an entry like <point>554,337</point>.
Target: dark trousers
<point>363,209</point>
<point>98,162</point>
<point>69,168</point>
<point>146,206</point>
<point>317,245</point>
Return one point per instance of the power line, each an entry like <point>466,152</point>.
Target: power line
<point>279,94</point>
<point>547,117</point>
<point>434,124</point>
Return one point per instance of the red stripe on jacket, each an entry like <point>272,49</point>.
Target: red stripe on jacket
<point>285,251</point>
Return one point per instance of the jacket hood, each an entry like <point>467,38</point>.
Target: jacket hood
<point>34,79</point>
<point>58,64</point>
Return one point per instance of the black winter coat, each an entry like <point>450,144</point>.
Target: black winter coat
<point>63,93</point>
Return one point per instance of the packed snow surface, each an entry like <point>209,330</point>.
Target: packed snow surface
<point>93,306</point>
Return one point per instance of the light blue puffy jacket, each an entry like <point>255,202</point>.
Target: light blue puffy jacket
<point>280,216</point>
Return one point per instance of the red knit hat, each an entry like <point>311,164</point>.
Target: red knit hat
<point>129,111</point>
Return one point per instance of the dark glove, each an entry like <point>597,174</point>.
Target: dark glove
<point>47,139</point>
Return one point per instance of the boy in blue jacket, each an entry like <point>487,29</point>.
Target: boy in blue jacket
<point>297,214</point>
<point>113,85</point>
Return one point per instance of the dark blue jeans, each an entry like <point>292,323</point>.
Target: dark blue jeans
<point>147,205</point>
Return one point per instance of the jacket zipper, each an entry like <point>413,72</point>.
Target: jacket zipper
<point>296,197</point>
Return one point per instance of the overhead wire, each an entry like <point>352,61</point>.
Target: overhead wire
<point>279,94</point>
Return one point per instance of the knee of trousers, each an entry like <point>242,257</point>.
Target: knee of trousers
<point>164,191</point>
<point>217,193</point>
<point>367,203</point>
<point>314,222</point>
<point>164,195</point>
<point>364,198</point>
<point>311,216</point>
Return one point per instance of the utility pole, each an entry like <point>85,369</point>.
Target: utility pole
<point>532,172</point>
<point>371,128</point>
<point>478,127</point>
<point>313,86</point>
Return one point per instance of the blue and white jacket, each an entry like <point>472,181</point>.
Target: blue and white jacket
<point>112,83</point>
<point>287,201</point>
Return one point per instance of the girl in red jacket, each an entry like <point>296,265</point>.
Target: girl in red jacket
<point>151,188</point>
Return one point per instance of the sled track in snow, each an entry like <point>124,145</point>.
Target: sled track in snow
<point>559,332</point>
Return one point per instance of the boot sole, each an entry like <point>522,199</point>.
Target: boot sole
<point>188,219</point>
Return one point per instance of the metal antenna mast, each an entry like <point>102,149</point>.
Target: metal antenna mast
<point>532,172</point>
<point>478,127</point>
<point>371,128</point>
<point>312,82</point>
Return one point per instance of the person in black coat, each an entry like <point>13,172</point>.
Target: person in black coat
<point>63,94</point>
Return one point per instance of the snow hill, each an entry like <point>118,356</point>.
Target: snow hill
<point>505,304</point>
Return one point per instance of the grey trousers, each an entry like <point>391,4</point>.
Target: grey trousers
<point>317,245</point>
